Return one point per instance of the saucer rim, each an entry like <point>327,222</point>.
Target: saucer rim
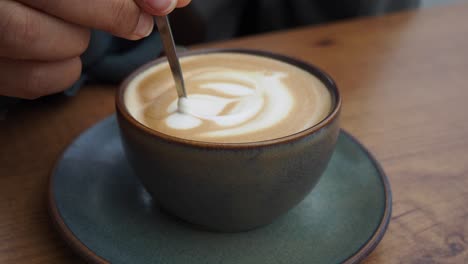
<point>90,256</point>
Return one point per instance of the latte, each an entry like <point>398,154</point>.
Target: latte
<point>232,98</point>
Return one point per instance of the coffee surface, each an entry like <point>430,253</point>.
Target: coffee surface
<point>232,98</point>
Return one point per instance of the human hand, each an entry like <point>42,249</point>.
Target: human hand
<point>161,7</point>
<point>41,40</point>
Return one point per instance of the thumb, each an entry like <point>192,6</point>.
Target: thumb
<point>157,7</point>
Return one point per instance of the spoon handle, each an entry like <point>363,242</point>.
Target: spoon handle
<point>169,47</point>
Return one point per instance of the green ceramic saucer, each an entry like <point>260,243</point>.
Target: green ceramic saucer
<point>103,212</point>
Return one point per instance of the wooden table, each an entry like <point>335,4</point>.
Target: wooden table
<point>404,80</point>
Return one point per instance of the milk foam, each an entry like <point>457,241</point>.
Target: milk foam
<point>260,94</point>
<point>246,98</point>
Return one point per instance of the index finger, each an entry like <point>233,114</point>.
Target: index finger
<point>123,18</point>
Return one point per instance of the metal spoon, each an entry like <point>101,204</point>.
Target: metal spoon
<point>169,47</point>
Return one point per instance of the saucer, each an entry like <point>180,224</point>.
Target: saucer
<point>103,212</point>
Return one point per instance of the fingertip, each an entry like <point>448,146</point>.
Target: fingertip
<point>76,65</point>
<point>158,7</point>
<point>144,27</point>
<point>70,71</point>
<point>183,3</point>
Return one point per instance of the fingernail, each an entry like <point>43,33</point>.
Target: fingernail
<point>145,25</point>
<point>162,6</point>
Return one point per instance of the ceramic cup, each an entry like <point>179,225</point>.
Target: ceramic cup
<point>229,187</point>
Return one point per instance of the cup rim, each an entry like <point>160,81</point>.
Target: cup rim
<point>123,112</point>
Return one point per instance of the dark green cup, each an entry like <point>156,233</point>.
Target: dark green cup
<point>230,187</point>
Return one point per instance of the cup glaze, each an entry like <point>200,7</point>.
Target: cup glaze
<point>230,187</point>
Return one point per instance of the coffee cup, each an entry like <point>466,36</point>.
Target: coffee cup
<point>223,178</point>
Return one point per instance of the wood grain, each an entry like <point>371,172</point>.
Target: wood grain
<point>404,83</point>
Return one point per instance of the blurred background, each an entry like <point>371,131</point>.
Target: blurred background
<point>213,20</point>
<point>438,2</point>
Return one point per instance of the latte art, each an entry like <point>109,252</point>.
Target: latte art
<point>239,108</point>
<point>247,98</point>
